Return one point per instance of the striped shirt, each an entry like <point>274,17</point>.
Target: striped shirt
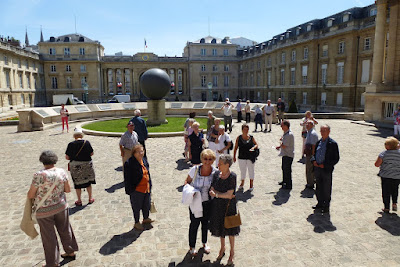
<point>129,140</point>
<point>390,167</point>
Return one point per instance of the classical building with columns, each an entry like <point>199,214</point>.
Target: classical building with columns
<point>348,61</point>
<point>383,93</point>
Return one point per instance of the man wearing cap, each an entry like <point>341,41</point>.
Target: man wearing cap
<point>128,140</point>
<point>140,128</point>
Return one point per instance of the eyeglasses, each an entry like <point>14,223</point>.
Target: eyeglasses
<point>210,159</point>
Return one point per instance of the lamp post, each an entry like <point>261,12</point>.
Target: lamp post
<point>210,85</point>
<point>85,92</point>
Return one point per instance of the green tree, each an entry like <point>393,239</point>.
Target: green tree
<point>292,107</point>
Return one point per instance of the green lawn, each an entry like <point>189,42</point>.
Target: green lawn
<point>175,124</point>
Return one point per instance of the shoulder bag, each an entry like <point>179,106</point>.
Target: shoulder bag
<point>84,142</point>
<point>42,201</point>
<point>233,220</point>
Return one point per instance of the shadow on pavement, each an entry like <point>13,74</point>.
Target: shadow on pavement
<point>281,197</point>
<point>115,187</point>
<point>382,132</point>
<point>119,242</point>
<point>65,261</point>
<point>195,261</point>
<point>180,188</point>
<point>307,193</point>
<point>75,209</point>
<point>118,169</point>
<point>243,195</point>
<point>182,165</point>
<point>389,222</point>
<point>322,222</point>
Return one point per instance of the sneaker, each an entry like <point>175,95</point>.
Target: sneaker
<point>206,248</point>
<point>240,188</point>
<point>192,252</point>
<point>251,189</point>
<point>138,226</point>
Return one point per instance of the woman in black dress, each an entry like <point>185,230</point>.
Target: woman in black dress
<point>223,190</point>
<point>195,143</point>
<point>79,153</point>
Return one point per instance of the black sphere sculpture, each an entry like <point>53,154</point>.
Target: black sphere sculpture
<point>155,84</point>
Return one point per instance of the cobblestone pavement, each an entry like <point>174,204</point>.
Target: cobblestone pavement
<point>279,228</point>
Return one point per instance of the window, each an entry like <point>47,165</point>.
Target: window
<point>373,12</point>
<point>66,51</point>
<point>269,78</point>
<point>298,30</point>
<point>5,60</point>
<point>269,61</point>
<point>324,50</point>
<point>258,64</point>
<point>52,51</point>
<point>53,68</point>
<point>19,63</point>
<point>28,81</point>
<point>21,85</point>
<point>367,43</point>
<point>203,81</point>
<point>340,72</point>
<point>304,98</point>
<point>341,47</point>
<point>27,64</point>
<point>54,82</point>
<point>215,81</point>
<point>330,22</point>
<point>226,67</point>
<point>323,99</point>
<point>69,82</point>
<point>339,99</point>
<point>81,51</point>
<point>258,81</point>
<point>292,76</point>
<point>305,53</point>
<point>293,58</point>
<point>203,67</point>
<point>282,76</point>
<point>83,68</point>
<point>214,52</point>
<point>241,67</point>
<point>83,81</point>
<point>68,68</point>
<point>283,96</point>
<point>22,99</point>
<point>226,80</point>
<point>365,71</point>
<point>8,78</point>
<point>10,100</point>
<point>346,17</point>
<point>283,57</point>
<point>309,26</point>
<point>203,52</point>
<point>324,68</point>
<point>215,68</point>
<point>304,71</point>
<point>226,52</point>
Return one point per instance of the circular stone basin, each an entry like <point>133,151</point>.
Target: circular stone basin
<point>174,125</point>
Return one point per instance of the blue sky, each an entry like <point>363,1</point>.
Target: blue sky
<point>167,25</point>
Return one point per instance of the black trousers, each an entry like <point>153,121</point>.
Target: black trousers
<point>144,146</point>
<point>287,171</point>
<point>323,192</point>
<point>239,116</point>
<point>195,223</point>
<point>247,117</point>
<point>140,202</point>
<point>390,188</point>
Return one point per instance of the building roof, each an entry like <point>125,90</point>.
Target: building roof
<point>213,40</point>
<point>71,38</point>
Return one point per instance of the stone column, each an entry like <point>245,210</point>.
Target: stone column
<point>114,76</point>
<point>379,45</point>
<point>391,50</point>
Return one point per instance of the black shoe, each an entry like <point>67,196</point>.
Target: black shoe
<point>265,130</point>
<point>316,207</point>
<point>286,187</point>
<point>310,187</point>
<point>269,131</point>
<point>281,183</point>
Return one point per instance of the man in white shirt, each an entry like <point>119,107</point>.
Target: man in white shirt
<point>228,115</point>
<point>287,153</point>
<point>224,143</point>
<point>239,111</point>
<point>269,113</point>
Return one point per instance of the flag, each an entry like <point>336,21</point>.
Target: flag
<point>145,43</point>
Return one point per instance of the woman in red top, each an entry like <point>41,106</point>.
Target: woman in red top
<point>64,117</point>
<point>138,185</point>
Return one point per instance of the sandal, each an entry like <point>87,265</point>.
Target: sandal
<point>193,252</point>
<point>394,207</point>
<point>220,256</point>
<point>206,248</point>
<point>68,256</point>
<point>385,210</point>
<point>78,203</point>
<point>91,201</point>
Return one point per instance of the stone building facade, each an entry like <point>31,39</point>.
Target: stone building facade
<point>328,64</point>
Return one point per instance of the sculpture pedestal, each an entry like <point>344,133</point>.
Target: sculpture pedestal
<point>156,112</point>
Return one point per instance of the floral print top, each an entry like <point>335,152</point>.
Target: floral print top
<point>56,202</point>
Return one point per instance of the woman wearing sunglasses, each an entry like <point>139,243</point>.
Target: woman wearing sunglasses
<point>200,177</point>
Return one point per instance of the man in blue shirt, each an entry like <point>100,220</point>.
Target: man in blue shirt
<point>324,159</point>
<point>140,128</point>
